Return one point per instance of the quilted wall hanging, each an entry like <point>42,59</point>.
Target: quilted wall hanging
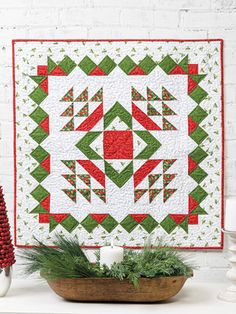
<point>119,139</point>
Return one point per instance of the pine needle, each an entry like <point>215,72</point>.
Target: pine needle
<point>68,260</point>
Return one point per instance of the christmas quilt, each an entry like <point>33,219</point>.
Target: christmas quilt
<point>119,140</point>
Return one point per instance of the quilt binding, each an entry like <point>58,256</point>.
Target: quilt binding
<point>122,40</point>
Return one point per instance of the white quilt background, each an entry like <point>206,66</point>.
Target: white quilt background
<point>117,87</point>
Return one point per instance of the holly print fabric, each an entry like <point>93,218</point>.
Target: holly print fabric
<point>119,140</point>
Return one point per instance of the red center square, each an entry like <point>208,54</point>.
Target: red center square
<point>118,145</point>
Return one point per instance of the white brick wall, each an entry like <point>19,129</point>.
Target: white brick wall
<point>121,19</point>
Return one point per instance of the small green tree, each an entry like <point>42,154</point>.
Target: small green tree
<point>7,256</point>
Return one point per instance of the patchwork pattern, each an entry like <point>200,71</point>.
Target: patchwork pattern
<point>119,139</point>
<point>155,189</point>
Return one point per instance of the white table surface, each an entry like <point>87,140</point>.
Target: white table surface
<point>32,296</point>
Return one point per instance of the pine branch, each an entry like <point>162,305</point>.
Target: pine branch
<point>68,260</point>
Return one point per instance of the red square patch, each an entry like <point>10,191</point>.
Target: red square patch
<point>118,145</point>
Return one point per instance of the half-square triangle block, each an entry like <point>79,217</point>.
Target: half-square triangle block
<point>119,139</point>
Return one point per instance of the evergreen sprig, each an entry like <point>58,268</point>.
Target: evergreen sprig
<point>68,260</point>
<point>150,263</point>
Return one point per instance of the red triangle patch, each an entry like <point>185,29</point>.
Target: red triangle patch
<point>46,203</point>
<point>46,164</point>
<point>178,218</point>
<point>59,217</point>
<point>44,85</point>
<point>191,85</point>
<point>58,72</point>
<point>177,70</point>
<point>45,125</point>
<point>191,125</point>
<point>99,217</point>
<point>192,204</point>
<point>97,71</point>
<point>138,217</point>
<point>137,71</point>
<point>191,164</point>
<point>143,119</point>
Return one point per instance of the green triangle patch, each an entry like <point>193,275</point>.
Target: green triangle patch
<point>151,111</point>
<point>151,96</point>
<point>149,223</point>
<point>101,193</point>
<point>71,193</point>
<point>167,126</point>
<point>67,65</point>
<point>168,224</point>
<point>69,223</point>
<point>168,193</point>
<point>199,211</point>
<point>199,135</point>
<point>167,178</point>
<point>128,223</point>
<point>109,223</point>
<point>70,126</point>
<point>167,163</point>
<point>83,96</point>
<point>167,64</point>
<point>38,115</point>
<point>166,95</point>
<point>53,224</point>
<point>83,111</point>
<point>198,174</point>
<point>39,209</point>
<point>98,96</point>
<point>39,174</point>
<point>153,194</point>
<point>152,178</point>
<point>70,164</point>
<point>86,194</point>
<point>39,193</point>
<point>184,224</point>
<point>198,77</point>
<point>38,78</point>
<point>38,95</point>
<point>167,111</point>
<point>69,96</point>
<point>89,223</point>
<point>136,96</point>
<point>69,112</point>
<point>71,178</point>
<point>39,154</point>
<point>39,135</point>
<point>51,65</point>
<point>184,64</point>
<point>85,178</point>
<point>147,64</point>
<point>139,193</point>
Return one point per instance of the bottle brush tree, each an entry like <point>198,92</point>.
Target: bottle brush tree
<point>7,256</point>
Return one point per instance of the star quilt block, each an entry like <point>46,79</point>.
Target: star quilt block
<point>119,139</point>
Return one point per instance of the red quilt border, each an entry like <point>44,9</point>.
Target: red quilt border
<point>121,40</point>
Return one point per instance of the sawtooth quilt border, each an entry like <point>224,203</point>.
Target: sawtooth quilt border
<point>136,71</point>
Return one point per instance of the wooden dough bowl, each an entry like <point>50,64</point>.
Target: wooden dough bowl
<point>114,290</point>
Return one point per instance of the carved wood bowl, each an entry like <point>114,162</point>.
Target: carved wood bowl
<point>114,290</point>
